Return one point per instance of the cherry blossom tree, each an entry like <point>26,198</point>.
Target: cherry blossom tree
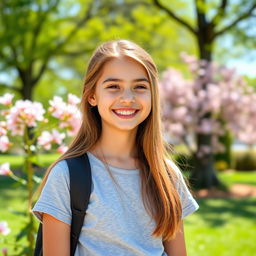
<point>215,101</point>
<point>51,127</point>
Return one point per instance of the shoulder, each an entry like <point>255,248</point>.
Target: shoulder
<point>60,168</point>
<point>59,172</point>
<point>171,164</point>
<point>188,203</point>
<point>179,179</point>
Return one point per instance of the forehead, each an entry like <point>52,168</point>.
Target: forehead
<point>123,68</point>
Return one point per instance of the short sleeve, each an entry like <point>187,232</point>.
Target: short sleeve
<point>189,204</point>
<point>55,196</point>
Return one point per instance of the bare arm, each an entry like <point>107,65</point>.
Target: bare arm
<point>177,246</point>
<point>56,237</point>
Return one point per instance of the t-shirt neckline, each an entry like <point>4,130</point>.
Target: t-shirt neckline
<point>120,170</point>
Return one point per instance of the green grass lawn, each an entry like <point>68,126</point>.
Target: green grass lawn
<point>17,161</point>
<point>221,227</point>
<point>239,177</point>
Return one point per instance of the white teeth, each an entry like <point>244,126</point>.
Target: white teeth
<point>125,112</point>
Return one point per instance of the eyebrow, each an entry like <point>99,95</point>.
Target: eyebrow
<point>120,80</point>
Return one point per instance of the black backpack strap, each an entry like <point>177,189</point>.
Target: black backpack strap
<point>80,191</point>
<point>39,242</point>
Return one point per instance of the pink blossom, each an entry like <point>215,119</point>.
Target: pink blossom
<point>208,126</point>
<point>212,89</point>
<point>62,149</point>
<point>73,99</point>
<point>74,122</point>
<point>68,114</point>
<point>47,139</point>
<point>57,137</point>
<point>187,58</point>
<point>4,112</point>
<point>176,129</point>
<point>57,107</point>
<point>5,144</point>
<point>24,113</point>
<point>4,229</point>
<point>179,113</point>
<point>5,169</point>
<point>6,99</point>
<point>3,128</point>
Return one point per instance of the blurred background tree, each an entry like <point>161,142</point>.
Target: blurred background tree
<point>34,32</point>
<point>57,37</point>
<point>46,44</point>
<point>211,21</point>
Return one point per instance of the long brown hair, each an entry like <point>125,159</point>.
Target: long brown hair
<point>158,179</point>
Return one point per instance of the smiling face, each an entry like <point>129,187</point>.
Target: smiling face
<point>122,94</point>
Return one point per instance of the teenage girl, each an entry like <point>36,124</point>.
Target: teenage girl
<point>139,197</point>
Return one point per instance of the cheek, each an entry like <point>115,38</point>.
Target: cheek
<point>105,103</point>
<point>105,99</point>
<point>147,100</point>
<point>149,107</point>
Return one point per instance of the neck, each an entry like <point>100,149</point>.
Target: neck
<point>119,145</point>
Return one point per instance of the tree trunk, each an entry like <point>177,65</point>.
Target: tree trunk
<point>27,92</point>
<point>204,174</point>
<point>27,84</point>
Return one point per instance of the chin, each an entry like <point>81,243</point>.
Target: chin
<point>126,128</point>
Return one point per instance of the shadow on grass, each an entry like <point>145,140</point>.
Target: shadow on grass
<point>217,212</point>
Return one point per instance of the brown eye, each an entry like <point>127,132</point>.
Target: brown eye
<point>114,86</point>
<point>141,87</point>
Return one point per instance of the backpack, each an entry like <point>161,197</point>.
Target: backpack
<point>80,190</point>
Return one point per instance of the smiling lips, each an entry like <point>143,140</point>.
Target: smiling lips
<point>125,113</point>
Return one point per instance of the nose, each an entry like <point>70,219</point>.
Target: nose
<point>127,96</point>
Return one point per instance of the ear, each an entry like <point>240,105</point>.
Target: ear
<point>92,100</point>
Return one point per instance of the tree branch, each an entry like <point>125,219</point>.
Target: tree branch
<point>56,49</point>
<point>81,22</point>
<point>40,72</point>
<point>236,21</point>
<point>42,15</point>
<point>201,17</point>
<point>175,17</point>
<point>220,13</point>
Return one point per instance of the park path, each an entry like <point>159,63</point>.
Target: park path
<point>236,191</point>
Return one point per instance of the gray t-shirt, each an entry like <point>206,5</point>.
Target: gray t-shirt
<point>116,222</point>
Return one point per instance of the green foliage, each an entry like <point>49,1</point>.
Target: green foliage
<point>42,36</point>
<point>245,160</point>
<point>251,81</point>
